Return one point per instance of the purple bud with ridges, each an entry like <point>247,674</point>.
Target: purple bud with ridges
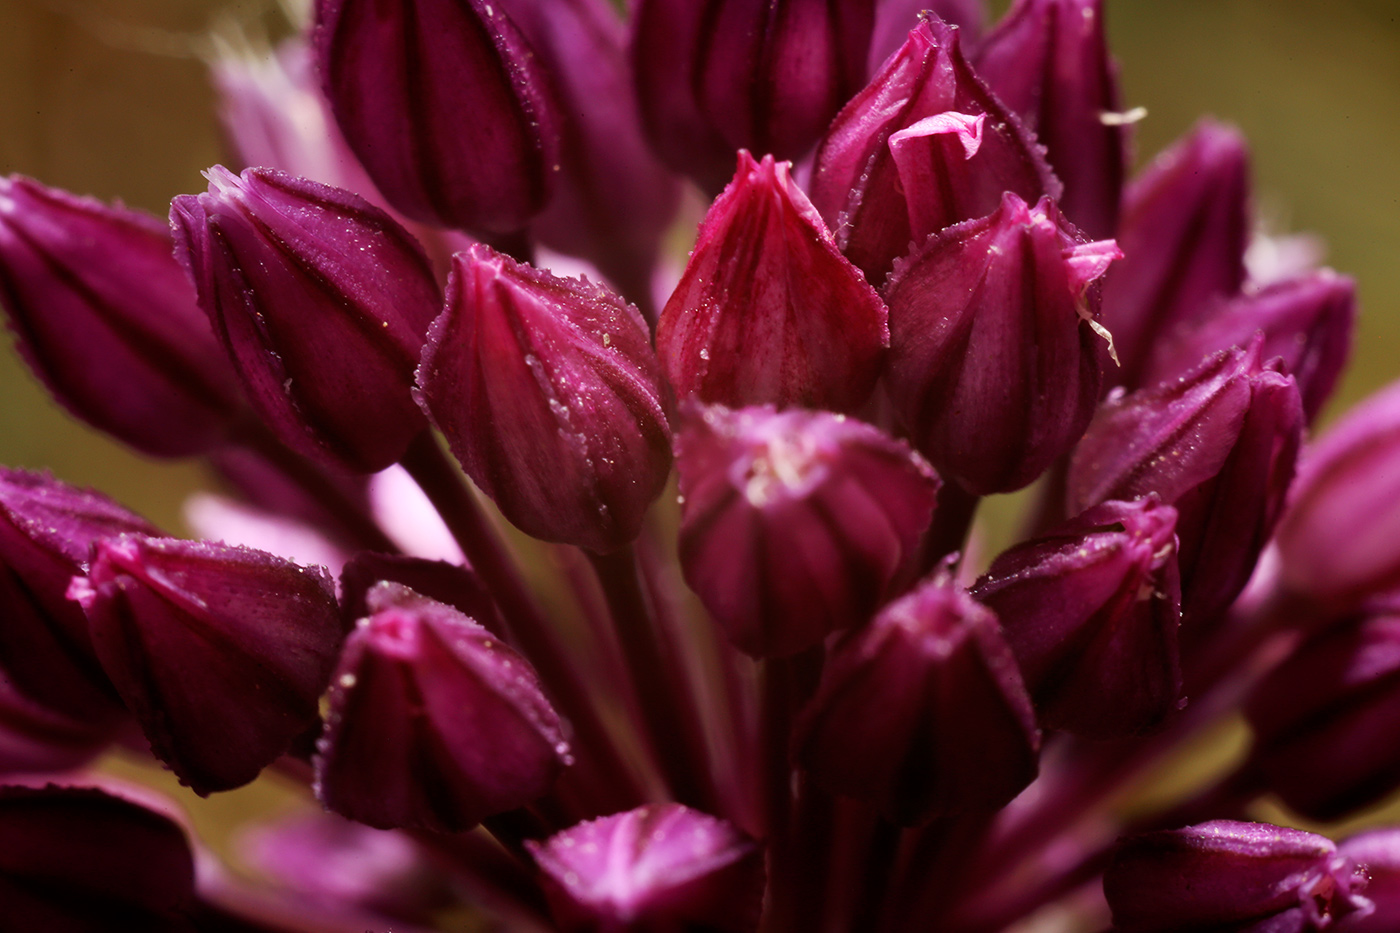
<point>768,311</point>
<point>1183,233</point>
<point>1307,321</point>
<point>393,70</point>
<point>433,723</point>
<point>923,712</point>
<point>105,317</point>
<point>1091,611</point>
<point>795,524</point>
<point>1048,61</point>
<point>859,186</point>
<point>993,364</point>
<point>79,859</point>
<point>1227,875</point>
<point>1378,852</point>
<point>717,76</point>
<point>657,869</point>
<point>220,652</point>
<point>322,300</point>
<point>550,397</point>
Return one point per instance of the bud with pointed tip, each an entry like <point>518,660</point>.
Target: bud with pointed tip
<point>220,652</point>
<point>661,867</point>
<point>433,723</point>
<point>1226,875</point>
<point>393,70</point>
<point>922,712</point>
<point>1091,611</point>
<point>550,397</point>
<point>894,19</point>
<point>872,202</point>
<point>795,524</point>
<point>768,311</point>
<point>993,359</point>
<point>322,300</point>
<point>1048,61</point>
<point>105,317</point>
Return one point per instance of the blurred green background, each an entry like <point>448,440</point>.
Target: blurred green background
<point>109,97</point>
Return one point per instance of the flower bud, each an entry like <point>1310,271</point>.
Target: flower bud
<point>74,859</point>
<point>768,310</point>
<point>106,319</point>
<point>1306,321</point>
<point>795,524</point>
<point>1377,851</point>
<point>220,652</point>
<point>993,364</point>
<point>46,531</point>
<point>876,206</point>
<point>550,397</point>
<point>1324,720</point>
<point>1224,875</point>
<point>922,712</point>
<point>894,19</point>
<point>322,300</point>
<point>1183,233</point>
<point>433,723</point>
<point>716,76</point>
<point>1091,611</point>
<point>1220,445</point>
<point>445,105</point>
<point>659,868</point>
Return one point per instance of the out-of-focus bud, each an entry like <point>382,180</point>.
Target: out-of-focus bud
<point>46,531</point>
<point>220,652</point>
<point>75,859</point>
<point>458,587</point>
<point>1225,875</point>
<point>35,738</point>
<point>1091,611</point>
<point>105,317</point>
<point>322,300</point>
<point>1324,720</point>
<point>993,364</point>
<point>1048,61</point>
<point>433,723</point>
<point>658,868</point>
<point>1219,444</point>
<point>795,524</point>
<point>716,76</point>
<point>1378,851</point>
<point>894,19</point>
<point>768,310</point>
<point>922,712</point>
<point>550,397</point>
<point>1306,321</point>
<point>878,204</point>
<point>1183,233</point>
<point>392,70</point>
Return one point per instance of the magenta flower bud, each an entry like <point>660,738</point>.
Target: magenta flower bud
<point>894,19</point>
<point>433,723</point>
<point>922,712</point>
<point>1324,720</point>
<point>768,310</point>
<point>220,652</point>
<point>1378,851</point>
<point>1220,445</point>
<point>1048,61</point>
<point>795,524</point>
<point>1183,233</point>
<point>1091,611</point>
<point>879,201</point>
<point>549,395</point>
<point>322,300</point>
<point>1307,321</point>
<point>717,76</point>
<point>105,317</point>
<point>1224,875</point>
<point>656,869</point>
<point>993,359</point>
<point>77,859</point>
<point>392,70</point>
<point>46,531</point>
<point>458,587</point>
